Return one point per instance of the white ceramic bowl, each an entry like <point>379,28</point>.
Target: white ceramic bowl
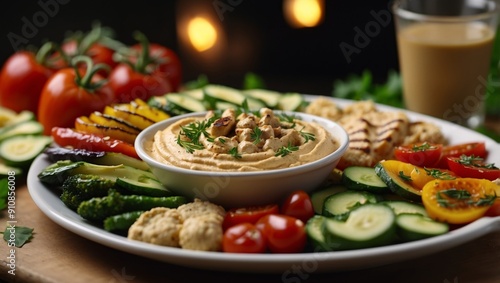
<point>239,189</point>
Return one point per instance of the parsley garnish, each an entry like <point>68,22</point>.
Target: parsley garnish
<point>423,147</point>
<point>234,152</point>
<point>193,132</point>
<point>256,134</point>
<point>287,119</point>
<point>462,197</point>
<point>189,145</point>
<point>307,136</point>
<point>404,177</point>
<point>438,174</point>
<point>475,161</point>
<point>285,150</point>
<point>22,235</point>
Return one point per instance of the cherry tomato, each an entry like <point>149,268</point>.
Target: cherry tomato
<point>298,204</point>
<point>458,201</point>
<point>248,214</point>
<point>79,140</point>
<point>67,95</point>
<point>22,79</point>
<point>472,148</point>
<point>421,154</point>
<point>283,233</point>
<point>243,238</point>
<point>154,70</point>
<point>473,167</point>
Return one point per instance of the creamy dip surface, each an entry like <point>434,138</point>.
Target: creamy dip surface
<point>245,142</point>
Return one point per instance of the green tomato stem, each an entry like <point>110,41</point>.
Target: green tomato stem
<point>86,81</point>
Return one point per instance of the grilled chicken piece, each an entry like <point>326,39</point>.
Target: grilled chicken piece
<point>224,125</point>
<point>373,137</point>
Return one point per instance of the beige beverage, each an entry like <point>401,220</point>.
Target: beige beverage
<point>444,68</point>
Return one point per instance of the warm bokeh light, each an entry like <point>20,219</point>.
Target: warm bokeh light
<point>202,34</point>
<point>303,13</point>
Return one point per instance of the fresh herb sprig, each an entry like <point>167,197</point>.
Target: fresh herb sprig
<point>307,136</point>
<point>439,174</point>
<point>285,150</point>
<point>256,135</point>
<point>193,132</point>
<point>455,198</point>
<point>404,177</point>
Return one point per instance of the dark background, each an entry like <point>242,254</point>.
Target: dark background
<point>288,59</point>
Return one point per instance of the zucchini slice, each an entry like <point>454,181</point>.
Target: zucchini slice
<point>340,205</point>
<point>23,128</point>
<point>20,151</point>
<point>413,227</point>
<point>369,225</point>
<point>364,179</point>
<point>318,197</point>
<point>291,102</point>
<point>5,170</point>
<point>231,95</point>
<point>398,179</point>
<point>185,102</point>
<point>269,97</point>
<point>143,185</point>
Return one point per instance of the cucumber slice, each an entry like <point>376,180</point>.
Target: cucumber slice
<point>231,95</point>
<point>143,185</point>
<point>20,151</point>
<point>340,205</point>
<point>6,170</point>
<point>269,97</point>
<point>23,116</point>
<point>369,225</point>
<point>413,227</point>
<point>314,231</point>
<point>318,197</point>
<point>364,179</point>
<point>291,102</point>
<point>185,102</point>
<point>222,105</point>
<point>195,93</point>
<point>400,207</point>
<point>6,115</point>
<point>25,128</point>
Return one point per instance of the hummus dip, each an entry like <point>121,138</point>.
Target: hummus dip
<point>247,142</point>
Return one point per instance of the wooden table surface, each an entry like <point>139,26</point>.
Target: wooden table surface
<point>58,255</point>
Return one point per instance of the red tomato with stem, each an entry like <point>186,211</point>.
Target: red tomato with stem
<point>283,233</point>
<point>67,95</point>
<point>420,154</point>
<point>247,214</point>
<point>473,167</point>
<point>243,238</point>
<point>298,204</point>
<point>149,70</point>
<point>92,142</point>
<point>23,77</point>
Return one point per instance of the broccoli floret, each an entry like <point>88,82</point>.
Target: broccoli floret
<point>81,187</point>
<point>99,208</point>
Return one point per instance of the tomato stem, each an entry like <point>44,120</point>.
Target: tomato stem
<point>143,60</point>
<point>91,70</point>
<point>43,53</point>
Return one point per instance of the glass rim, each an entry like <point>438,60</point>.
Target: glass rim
<point>492,6</point>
